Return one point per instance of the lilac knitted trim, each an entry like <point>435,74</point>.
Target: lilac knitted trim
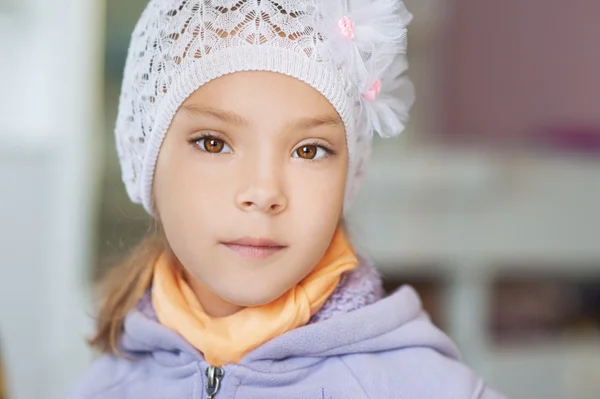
<point>357,288</point>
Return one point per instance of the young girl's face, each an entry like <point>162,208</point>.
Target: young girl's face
<point>251,159</point>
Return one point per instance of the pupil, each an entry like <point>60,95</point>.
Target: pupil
<point>308,152</point>
<point>213,145</point>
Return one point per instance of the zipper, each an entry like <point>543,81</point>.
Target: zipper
<point>214,375</point>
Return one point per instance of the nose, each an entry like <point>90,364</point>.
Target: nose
<point>262,195</point>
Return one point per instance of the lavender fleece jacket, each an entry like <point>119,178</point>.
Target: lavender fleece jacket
<point>383,350</point>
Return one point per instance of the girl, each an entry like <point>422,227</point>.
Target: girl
<point>243,129</point>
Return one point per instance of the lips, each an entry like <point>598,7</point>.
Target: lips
<point>256,242</point>
<point>255,248</point>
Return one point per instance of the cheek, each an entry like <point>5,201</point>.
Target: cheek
<point>315,215</point>
<point>187,196</point>
<point>186,179</point>
<point>321,190</point>
<point>318,200</point>
<point>189,217</point>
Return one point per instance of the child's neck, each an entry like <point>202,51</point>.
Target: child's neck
<point>213,305</point>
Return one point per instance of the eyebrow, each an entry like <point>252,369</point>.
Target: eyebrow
<point>306,123</point>
<point>223,116</point>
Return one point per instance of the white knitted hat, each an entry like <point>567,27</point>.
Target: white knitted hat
<point>351,51</point>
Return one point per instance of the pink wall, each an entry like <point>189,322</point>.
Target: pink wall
<point>512,66</point>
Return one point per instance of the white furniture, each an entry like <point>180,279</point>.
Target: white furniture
<point>473,213</point>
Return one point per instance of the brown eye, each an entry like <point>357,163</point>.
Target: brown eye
<point>213,145</point>
<point>307,151</point>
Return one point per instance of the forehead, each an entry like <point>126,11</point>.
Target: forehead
<point>253,93</point>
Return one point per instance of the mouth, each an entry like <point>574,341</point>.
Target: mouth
<point>255,248</point>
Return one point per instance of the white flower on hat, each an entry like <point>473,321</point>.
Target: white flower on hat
<point>367,39</point>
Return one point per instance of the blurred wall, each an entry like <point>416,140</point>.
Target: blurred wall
<point>513,67</point>
<point>49,102</point>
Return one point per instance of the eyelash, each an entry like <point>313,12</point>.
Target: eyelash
<point>317,143</point>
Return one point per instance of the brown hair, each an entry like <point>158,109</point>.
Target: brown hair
<point>123,286</point>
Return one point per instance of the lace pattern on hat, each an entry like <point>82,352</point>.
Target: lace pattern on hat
<point>179,45</point>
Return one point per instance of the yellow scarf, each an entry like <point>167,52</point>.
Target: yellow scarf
<point>227,339</point>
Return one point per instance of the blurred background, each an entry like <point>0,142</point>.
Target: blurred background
<point>489,204</point>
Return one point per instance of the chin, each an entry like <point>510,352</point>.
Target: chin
<point>249,298</point>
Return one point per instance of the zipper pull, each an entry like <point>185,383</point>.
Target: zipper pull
<point>214,375</point>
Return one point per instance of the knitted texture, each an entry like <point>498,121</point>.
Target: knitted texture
<point>357,288</point>
<point>351,51</point>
